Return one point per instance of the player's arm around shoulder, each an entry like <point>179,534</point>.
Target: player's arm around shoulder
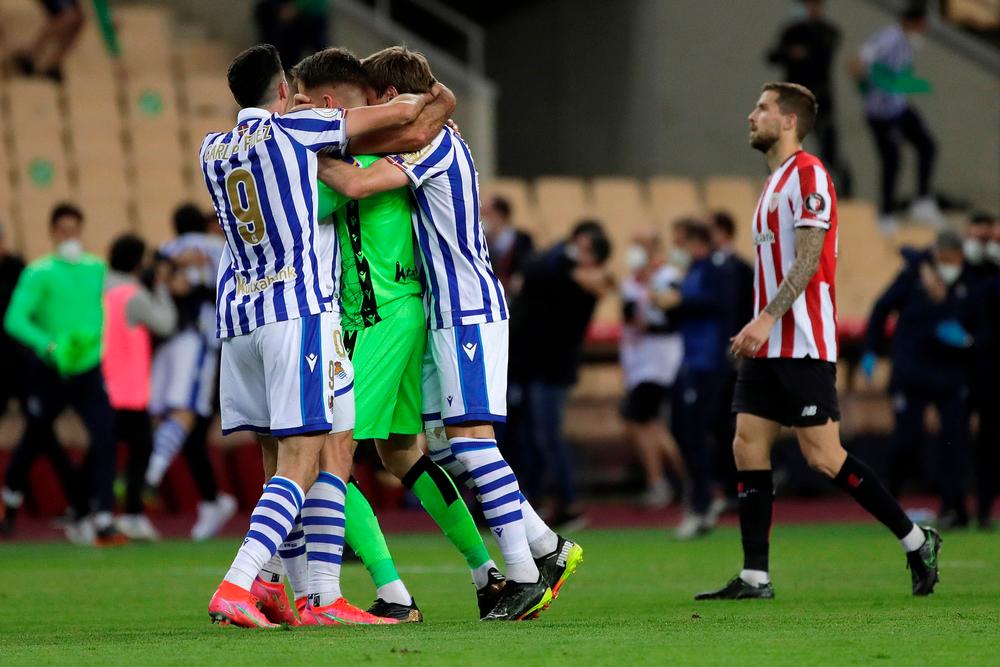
<point>355,182</point>
<point>412,136</point>
<point>397,113</point>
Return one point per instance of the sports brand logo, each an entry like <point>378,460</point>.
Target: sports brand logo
<point>311,359</point>
<point>470,350</point>
<point>450,399</point>
<point>809,411</point>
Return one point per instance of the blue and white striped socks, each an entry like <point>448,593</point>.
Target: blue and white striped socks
<point>293,557</point>
<point>167,442</point>
<point>323,525</point>
<point>271,522</point>
<point>500,500</point>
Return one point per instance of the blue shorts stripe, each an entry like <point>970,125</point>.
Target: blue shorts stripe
<point>501,501</point>
<point>292,553</point>
<point>496,484</point>
<point>311,381</point>
<point>329,521</point>
<point>503,519</point>
<point>277,507</point>
<point>263,539</point>
<point>324,557</point>
<point>472,368</point>
<point>492,466</point>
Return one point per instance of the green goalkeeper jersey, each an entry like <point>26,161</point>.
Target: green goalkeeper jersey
<point>378,265</point>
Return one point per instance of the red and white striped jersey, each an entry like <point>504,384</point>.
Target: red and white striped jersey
<point>799,193</point>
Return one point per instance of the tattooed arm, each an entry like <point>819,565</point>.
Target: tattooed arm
<point>808,248</point>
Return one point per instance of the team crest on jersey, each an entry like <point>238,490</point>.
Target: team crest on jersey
<point>338,369</point>
<point>815,203</point>
<point>772,203</point>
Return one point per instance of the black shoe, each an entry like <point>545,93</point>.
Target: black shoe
<point>489,595</point>
<point>519,601</point>
<point>557,567</point>
<point>737,589</point>
<point>401,612</point>
<point>923,563</point>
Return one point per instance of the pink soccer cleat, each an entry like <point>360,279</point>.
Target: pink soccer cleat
<point>342,612</point>
<point>273,601</point>
<point>232,605</point>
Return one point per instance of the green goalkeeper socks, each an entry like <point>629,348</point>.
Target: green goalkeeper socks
<point>438,495</point>
<point>364,535</point>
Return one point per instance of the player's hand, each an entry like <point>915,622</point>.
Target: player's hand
<point>933,284</point>
<point>301,103</point>
<point>454,126</point>
<point>751,338</point>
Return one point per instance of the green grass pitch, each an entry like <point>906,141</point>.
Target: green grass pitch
<point>842,598</point>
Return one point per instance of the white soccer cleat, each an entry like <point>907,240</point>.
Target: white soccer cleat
<point>926,210</point>
<point>658,496</point>
<point>212,516</point>
<point>81,532</point>
<point>693,525</point>
<point>137,527</point>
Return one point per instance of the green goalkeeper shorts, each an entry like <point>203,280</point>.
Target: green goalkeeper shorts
<point>387,359</point>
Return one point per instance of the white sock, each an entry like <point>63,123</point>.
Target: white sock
<point>500,499</point>
<point>293,559</point>
<point>914,539</point>
<point>394,591</point>
<point>481,574</point>
<point>270,524</point>
<point>273,572</point>
<point>541,538</point>
<point>167,442</point>
<point>323,525</point>
<point>755,577</point>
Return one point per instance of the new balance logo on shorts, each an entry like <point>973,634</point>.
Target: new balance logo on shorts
<point>311,359</point>
<point>809,411</point>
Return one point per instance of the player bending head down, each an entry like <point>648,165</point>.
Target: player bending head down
<point>788,372</point>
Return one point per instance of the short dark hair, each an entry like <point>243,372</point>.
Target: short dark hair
<point>64,209</point>
<point>948,240</point>
<point>407,71</point>
<point>915,10</point>
<point>126,253</point>
<point>797,99</point>
<point>330,67</point>
<point>600,245</point>
<point>189,218</point>
<point>724,223</point>
<point>252,73</point>
<point>697,231</point>
<point>982,218</point>
<point>502,205</point>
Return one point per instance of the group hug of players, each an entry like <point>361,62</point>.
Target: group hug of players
<point>356,302</point>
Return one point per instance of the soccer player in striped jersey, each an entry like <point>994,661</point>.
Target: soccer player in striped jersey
<point>465,368</point>
<point>788,372</point>
<point>386,332</point>
<point>275,304</point>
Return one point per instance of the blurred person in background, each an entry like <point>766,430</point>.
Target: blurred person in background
<point>982,257</point>
<point>133,314</point>
<point>806,49</point>
<point>295,27</point>
<point>548,324</point>
<point>510,247</point>
<point>11,354</point>
<point>738,280</point>
<point>55,39</point>
<point>651,353</point>
<point>698,306</point>
<point>884,71</point>
<point>57,312</point>
<point>185,371</point>
<point>932,346</point>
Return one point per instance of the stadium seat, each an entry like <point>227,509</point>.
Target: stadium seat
<point>562,201</point>
<point>107,218</point>
<point>619,203</point>
<point>517,192</point>
<point>146,40</point>
<point>199,56</point>
<point>20,21</point>
<point>672,198</point>
<point>914,236</point>
<point>208,95</point>
<point>737,196</point>
<point>867,262</point>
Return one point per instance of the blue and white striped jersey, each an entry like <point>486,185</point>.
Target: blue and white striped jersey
<point>461,285</point>
<point>201,276</point>
<point>889,48</point>
<point>262,178</point>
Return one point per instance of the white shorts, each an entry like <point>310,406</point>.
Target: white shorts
<point>465,374</point>
<point>288,378</point>
<point>183,375</point>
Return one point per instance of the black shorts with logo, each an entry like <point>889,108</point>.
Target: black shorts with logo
<point>645,402</point>
<point>792,392</point>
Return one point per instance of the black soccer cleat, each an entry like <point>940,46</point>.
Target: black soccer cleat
<point>557,567</point>
<point>403,613</point>
<point>737,589</point>
<point>923,563</point>
<point>519,601</point>
<point>489,595</point>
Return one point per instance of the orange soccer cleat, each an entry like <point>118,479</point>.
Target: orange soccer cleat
<point>342,612</point>
<point>273,601</point>
<point>232,605</point>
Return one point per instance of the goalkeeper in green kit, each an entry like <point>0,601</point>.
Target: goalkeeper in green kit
<point>385,334</point>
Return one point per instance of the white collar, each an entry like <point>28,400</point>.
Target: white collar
<point>252,112</point>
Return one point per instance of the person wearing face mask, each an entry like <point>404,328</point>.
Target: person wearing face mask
<point>931,350</point>
<point>982,257</point>
<point>549,322</point>
<point>883,69</point>
<point>57,312</point>
<point>651,353</point>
